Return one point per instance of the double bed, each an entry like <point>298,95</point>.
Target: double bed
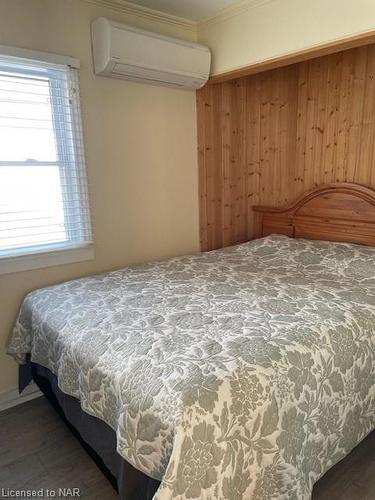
<point>241,373</point>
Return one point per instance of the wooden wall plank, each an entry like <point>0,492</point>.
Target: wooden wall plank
<point>252,149</point>
<point>201,127</point>
<point>239,157</point>
<point>268,137</point>
<point>218,155</point>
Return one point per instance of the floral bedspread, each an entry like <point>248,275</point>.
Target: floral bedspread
<point>242,373</point>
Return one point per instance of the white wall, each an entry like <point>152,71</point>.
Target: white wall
<point>275,27</point>
<point>140,148</point>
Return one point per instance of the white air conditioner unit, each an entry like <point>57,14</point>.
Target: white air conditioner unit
<point>121,51</point>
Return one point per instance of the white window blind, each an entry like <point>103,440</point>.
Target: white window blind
<point>43,188</point>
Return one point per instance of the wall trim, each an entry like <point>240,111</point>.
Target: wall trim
<point>12,398</point>
<point>129,8</point>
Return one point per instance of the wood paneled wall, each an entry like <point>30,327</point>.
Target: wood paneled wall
<point>267,138</point>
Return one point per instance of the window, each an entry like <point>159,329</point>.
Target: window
<point>44,207</point>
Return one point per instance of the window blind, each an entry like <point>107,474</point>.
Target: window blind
<point>44,202</point>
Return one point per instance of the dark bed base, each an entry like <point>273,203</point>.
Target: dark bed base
<point>97,438</point>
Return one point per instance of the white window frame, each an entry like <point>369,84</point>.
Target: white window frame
<point>55,254</point>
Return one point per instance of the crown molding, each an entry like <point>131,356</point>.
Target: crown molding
<point>231,11</point>
<point>141,12</point>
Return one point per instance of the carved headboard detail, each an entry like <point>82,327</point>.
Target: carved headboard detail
<point>333,212</point>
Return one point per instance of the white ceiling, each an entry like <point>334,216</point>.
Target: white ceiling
<point>189,9</point>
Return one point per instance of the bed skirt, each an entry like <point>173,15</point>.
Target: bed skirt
<point>98,439</point>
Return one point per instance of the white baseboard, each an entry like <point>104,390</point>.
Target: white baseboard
<point>13,398</point>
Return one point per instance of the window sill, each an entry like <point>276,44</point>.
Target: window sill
<point>46,259</point>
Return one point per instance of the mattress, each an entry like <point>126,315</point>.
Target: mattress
<point>240,373</point>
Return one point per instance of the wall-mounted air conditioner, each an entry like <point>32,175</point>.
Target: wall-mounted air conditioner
<point>122,51</point>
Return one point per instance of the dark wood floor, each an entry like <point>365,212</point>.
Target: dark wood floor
<point>38,451</point>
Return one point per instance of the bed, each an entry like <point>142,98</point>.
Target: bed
<point>241,373</point>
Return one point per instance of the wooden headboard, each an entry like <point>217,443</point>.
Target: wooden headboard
<point>333,212</point>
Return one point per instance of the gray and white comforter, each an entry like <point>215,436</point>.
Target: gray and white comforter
<point>243,373</point>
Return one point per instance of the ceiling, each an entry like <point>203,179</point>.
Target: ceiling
<point>195,10</point>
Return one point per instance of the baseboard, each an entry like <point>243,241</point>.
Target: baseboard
<point>13,398</point>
